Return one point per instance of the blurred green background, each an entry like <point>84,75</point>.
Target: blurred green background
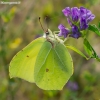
<point>19,25</point>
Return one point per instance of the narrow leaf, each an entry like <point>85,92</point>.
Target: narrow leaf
<point>90,51</point>
<point>87,47</point>
<point>94,28</point>
<point>77,51</point>
<point>99,24</point>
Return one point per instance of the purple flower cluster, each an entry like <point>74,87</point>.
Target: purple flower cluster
<point>78,19</point>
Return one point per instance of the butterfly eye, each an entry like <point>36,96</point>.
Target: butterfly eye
<point>47,33</point>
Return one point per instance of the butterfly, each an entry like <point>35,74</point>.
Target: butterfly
<point>45,61</point>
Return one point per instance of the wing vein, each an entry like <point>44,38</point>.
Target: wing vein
<point>59,58</point>
<point>44,61</point>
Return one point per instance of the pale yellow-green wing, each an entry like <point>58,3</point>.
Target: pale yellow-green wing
<point>22,64</point>
<point>53,67</point>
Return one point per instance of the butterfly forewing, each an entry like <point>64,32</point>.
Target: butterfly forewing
<point>22,64</point>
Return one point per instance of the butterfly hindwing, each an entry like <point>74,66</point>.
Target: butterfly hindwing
<point>53,72</point>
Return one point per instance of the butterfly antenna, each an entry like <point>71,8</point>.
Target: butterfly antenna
<point>46,20</point>
<point>41,24</point>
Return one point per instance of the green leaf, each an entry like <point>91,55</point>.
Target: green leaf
<point>99,24</point>
<point>76,50</point>
<point>90,51</point>
<point>98,59</point>
<point>53,68</point>
<point>94,28</point>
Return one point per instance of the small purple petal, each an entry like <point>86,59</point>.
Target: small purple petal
<point>67,11</point>
<point>83,24</point>
<point>90,18</point>
<point>63,31</point>
<point>70,23</point>
<point>75,32</point>
<point>72,86</point>
<point>87,14</point>
<point>82,11</point>
<point>61,27</point>
<point>75,14</point>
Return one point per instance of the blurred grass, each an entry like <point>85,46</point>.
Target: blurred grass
<point>19,25</point>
